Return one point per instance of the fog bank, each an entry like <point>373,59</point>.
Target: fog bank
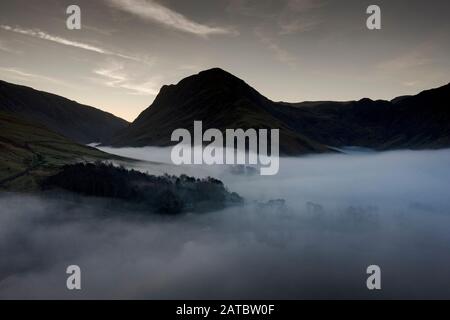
<point>342,214</point>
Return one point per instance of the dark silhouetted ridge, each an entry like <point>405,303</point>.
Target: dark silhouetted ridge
<point>223,101</point>
<point>81,123</point>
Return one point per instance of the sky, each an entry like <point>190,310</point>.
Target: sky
<point>289,50</point>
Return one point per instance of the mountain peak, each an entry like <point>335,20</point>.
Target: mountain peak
<point>212,77</point>
<point>214,84</point>
<point>215,70</point>
<point>207,78</point>
<point>221,101</point>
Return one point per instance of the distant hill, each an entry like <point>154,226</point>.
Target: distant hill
<point>414,122</point>
<point>75,121</point>
<point>422,121</point>
<point>223,101</point>
<point>29,152</point>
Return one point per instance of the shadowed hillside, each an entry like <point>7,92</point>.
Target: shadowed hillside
<point>415,122</point>
<point>223,101</point>
<point>75,121</point>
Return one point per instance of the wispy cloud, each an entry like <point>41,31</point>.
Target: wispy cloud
<point>298,26</point>
<point>411,83</point>
<point>279,18</point>
<point>407,61</point>
<point>304,5</point>
<point>45,36</point>
<point>299,16</point>
<point>4,47</point>
<point>36,33</point>
<point>280,53</point>
<point>114,76</point>
<point>417,67</point>
<point>151,11</point>
<point>283,17</point>
<point>19,74</point>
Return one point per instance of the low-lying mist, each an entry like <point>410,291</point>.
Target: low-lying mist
<point>342,213</point>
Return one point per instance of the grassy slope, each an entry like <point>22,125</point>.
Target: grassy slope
<point>29,152</point>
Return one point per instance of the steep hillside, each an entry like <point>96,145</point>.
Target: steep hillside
<point>221,101</point>
<point>413,122</point>
<point>75,121</point>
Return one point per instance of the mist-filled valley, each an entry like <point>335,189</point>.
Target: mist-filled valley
<point>308,232</point>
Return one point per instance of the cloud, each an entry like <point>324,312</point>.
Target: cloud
<point>26,76</point>
<point>304,5</point>
<point>152,11</point>
<point>6,48</point>
<point>290,15</point>
<point>298,25</point>
<point>278,18</point>
<point>419,67</point>
<point>114,76</point>
<point>413,59</point>
<point>280,53</point>
<point>36,33</point>
<point>45,36</point>
<point>299,16</point>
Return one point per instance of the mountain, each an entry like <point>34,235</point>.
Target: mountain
<point>223,101</point>
<point>29,152</point>
<point>75,121</point>
<point>410,122</point>
<point>422,121</point>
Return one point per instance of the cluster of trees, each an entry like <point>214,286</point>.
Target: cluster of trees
<point>163,194</point>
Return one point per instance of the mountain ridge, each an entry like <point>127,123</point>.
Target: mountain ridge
<point>221,100</point>
<point>231,101</point>
<point>78,122</point>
